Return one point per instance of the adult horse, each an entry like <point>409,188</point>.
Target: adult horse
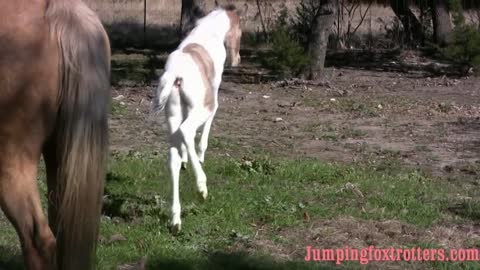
<point>54,93</point>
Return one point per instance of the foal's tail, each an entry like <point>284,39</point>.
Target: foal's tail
<point>82,136</point>
<point>163,91</point>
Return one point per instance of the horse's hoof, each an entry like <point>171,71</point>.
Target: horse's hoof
<point>175,228</point>
<point>203,194</point>
<point>184,166</point>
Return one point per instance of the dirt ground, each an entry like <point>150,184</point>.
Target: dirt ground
<point>432,123</point>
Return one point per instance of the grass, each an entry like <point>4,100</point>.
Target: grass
<point>329,132</point>
<point>244,194</point>
<point>118,108</point>
<point>364,108</point>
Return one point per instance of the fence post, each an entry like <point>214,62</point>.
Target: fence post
<point>145,23</point>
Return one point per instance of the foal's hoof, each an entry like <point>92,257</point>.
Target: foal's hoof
<point>184,166</point>
<point>175,228</point>
<point>203,194</point>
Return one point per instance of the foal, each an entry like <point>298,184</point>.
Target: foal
<point>188,91</point>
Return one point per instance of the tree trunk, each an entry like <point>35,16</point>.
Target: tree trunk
<point>413,27</point>
<point>442,25</point>
<point>318,41</point>
<point>192,10</point>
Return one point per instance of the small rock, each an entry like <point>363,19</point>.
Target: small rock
<point>285,104</point>
<point>266,96</point>
<point>102,239</point>
<point>117,220</point>
<point>278,119</point>
<point>119,97</point>
<point>134,266</point>
<point>448,168</point>
<point>464,198</point>
<point>333,100</point>
<point>116,238</point>
<point>390,227</point>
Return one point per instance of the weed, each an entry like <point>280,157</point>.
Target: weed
<point>118,108</point>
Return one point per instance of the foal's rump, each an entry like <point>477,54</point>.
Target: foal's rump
<point>185,78</point>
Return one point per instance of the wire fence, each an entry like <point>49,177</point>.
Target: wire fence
<point>156,22</point>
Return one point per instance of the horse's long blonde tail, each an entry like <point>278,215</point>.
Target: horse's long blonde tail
<point>82,139</point>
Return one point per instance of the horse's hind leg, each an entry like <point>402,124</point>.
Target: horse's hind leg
<point>188,129</point>
<point>174,165</point>
<point>174,119</point>
<point>184,156</point>
<point>203,144</point>
<point>20,201</point>
<point>51,165</point>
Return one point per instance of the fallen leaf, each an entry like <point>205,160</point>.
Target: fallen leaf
<point>306,217</point>
<point>119,97</point>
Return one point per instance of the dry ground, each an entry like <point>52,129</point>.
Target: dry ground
<point>356,116</point>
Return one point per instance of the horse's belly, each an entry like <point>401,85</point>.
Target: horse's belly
<point>28,79</point>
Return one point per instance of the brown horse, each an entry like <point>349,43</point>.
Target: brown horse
<point>54,95</point>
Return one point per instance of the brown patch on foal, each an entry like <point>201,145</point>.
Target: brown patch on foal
<point>205,64</point>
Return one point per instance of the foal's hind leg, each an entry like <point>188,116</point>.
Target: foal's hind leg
<point>184,156</point>
<point>174,119</point>
<point>203,144</point>
<point>174,164</point>
<point>19,199</point>
<point>188,129</point>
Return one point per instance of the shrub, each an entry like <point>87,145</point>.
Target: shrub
<point>465,46</point>
<point>287,57</point>
<point>302,22</point>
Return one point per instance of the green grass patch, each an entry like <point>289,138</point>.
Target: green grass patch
<point>244,194</point>
<point>363,108</point>
<point>118,108</point>
<point>135,68</point>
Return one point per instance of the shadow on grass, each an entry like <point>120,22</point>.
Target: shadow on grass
<point>391,60</point>
<point>234,261</point>
<point>10,259</point>
<point>143,71</point>
<point>217,261</point>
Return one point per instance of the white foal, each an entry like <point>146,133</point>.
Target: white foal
<point>188,91</point>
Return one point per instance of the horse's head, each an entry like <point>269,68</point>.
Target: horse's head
<point>234,35</point>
